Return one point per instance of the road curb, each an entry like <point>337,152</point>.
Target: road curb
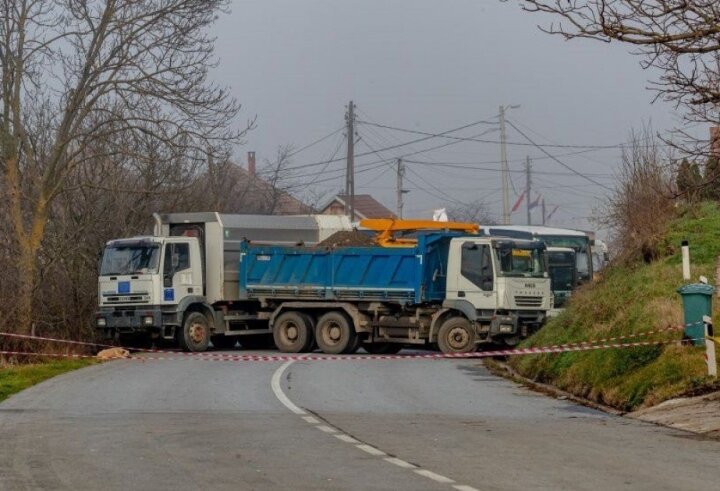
<point>502,369</point>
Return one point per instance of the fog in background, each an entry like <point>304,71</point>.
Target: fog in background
<point>432,66</point>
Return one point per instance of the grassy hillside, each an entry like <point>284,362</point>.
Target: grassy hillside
<point>632,299</point>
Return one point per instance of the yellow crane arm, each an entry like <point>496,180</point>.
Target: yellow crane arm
<point>387,227</point>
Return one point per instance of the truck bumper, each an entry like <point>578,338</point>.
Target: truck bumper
<point>516,323</point>
<point>127,320</point>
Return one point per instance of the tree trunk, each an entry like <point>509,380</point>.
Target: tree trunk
<point>29,242</point>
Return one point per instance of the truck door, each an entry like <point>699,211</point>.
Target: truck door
<point>476,281</point>
<point>181,277</point>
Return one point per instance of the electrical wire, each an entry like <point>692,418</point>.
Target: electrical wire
<point>558,160</point>
<point>444,135</point>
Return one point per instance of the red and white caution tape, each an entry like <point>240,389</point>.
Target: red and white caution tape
<point>81,343</point>
<point>429,356</point>
<point>46,355</point>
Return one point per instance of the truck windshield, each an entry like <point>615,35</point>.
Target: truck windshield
<point>581,244</point>
<point>562,270</point>
<point>518,261</point>
<point>130,259</point>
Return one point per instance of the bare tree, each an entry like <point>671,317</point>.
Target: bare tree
<point>679,38</point>
<point>473,212</point>
<point>100,80</point>
<point>644,199</point>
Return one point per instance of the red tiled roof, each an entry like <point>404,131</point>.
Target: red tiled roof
<point>365,206</point>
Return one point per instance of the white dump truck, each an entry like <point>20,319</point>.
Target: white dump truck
<point>150,285</point>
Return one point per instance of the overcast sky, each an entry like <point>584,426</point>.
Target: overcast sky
<point>432,65</point>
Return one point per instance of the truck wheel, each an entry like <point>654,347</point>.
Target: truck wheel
<point>456,335</point>
<point>292,332</point>
<point>354,346</point>
<point>220,341</point>
<point>310,320</point>
<point>382,348</point>
<point>195,334</point>
<point>334,334</point>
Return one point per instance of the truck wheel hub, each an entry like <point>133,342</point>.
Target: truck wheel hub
<point>197,332</point>
<point>458,338</point>
<point>292,332</point>
<point>334,333</point>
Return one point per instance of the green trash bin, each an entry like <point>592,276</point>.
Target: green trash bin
<point>697,302</point>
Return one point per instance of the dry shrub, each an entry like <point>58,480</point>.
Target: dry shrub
<point>644,200</point>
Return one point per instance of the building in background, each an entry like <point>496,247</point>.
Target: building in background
<point>365,207</point>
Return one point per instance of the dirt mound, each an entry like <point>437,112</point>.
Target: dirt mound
<point>347,239</point>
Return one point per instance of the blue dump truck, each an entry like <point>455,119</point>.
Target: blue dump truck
<point>206,278</point>
<point>450,289</point>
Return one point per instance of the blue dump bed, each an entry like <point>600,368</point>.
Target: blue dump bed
<point>408,275</point>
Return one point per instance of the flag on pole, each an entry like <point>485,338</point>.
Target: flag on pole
<point>518,202</point>
<point>535,203</point>
<point>553,211</point>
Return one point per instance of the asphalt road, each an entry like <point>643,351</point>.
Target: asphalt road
<point>415,425</point>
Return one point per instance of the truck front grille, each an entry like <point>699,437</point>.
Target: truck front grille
<point>521,301</point>
<point>126,299</point>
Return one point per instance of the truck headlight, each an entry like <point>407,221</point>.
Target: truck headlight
<point>101,322</point>
<point>148,320</point>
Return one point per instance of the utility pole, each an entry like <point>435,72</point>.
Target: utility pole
<point>543,211</point>
<point>528,185</point>
<point>505,169</point>
<point>400,190</point>
<point>350,173</point>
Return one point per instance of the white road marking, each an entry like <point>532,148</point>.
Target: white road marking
<point>275,384</point>
<point>400,463</point>
<point>370,450</point>
<point>277,389</point>
<point>346,438</point>
<point>433,476</point>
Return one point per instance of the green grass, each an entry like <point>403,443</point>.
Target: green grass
<point>632,299</point>
<point>14,378</point>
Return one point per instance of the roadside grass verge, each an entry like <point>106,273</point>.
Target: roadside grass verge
<point>632,299</point>
<point>14,378</point>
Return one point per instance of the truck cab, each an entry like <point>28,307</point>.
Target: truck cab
<point>143,280</point>
<point>504,281</point>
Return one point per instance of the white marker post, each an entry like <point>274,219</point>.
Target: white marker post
<point>710,347</point>
<point>686,260</point>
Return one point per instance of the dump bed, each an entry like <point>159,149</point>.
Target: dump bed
<point>409,275</point>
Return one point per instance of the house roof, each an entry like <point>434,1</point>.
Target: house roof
<point>262,194</point>
<point>365,206</point>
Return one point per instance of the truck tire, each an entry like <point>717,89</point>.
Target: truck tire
<point>382,348</point>
<point>220,341</point>
<point>334,333</point>
<point>456,335</point>
<point>311,321</point>
<point>354,346</point>
<point>195,333</point>
<point>292,332</point>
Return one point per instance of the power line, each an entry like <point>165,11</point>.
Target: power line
<point>320,140</point>
<point>539,147</point>
<point>470,166</point>
<point>453,130</point>
<point>419,187</point>
<point>444,135</point>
